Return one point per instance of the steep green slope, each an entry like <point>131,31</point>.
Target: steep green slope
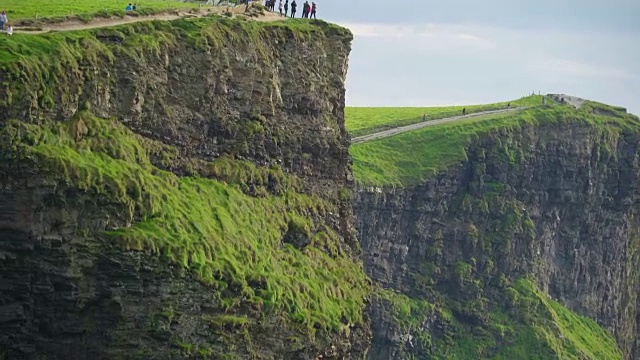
<point>409,158</point>
<point>231,240</point>
<point>366,120</point>
<point>525,325</point>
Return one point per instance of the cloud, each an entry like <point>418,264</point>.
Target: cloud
<point>554,66</point>
<point>428,35</point>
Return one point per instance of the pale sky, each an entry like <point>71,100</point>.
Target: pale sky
<point>425,53</point>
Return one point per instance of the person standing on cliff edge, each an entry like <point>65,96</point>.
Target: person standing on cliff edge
<point>286,7</point>
<point>313,10</point>
<point>294,5</point>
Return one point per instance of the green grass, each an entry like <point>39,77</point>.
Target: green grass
<point>85,9</point>
<point>230,240</point>
<point>366,120</point>
<point>406,311</point>
<point>531,326</point>
<point>569,335</point>
<point>410,158</point>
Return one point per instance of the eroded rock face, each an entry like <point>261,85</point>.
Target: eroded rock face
<point>66,293</point>
<point>581,245</point>
<point>274,98</point>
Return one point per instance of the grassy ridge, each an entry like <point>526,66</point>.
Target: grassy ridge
<point>409,158</point>
<point>366,120</point>
<point>84,9</point>
<point>232,241</point>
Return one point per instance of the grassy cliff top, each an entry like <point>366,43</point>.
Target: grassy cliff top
<point>197,32</point>
<point>366,120</point>
<point>42,64</point>
<point>410,158</point>
<point>85,9</point>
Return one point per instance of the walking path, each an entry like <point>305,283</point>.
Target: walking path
<point>420,125</point>
<point>95,23</point>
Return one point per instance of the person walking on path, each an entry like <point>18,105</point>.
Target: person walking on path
<point>464,111</point>
<point>313,9</point>
<point>3,20</point>
<point>294,5</point>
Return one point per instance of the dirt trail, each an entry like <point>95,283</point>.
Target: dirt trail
<point>402,129</point>
<point>72,25</point>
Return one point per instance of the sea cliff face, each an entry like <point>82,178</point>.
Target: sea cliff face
<point>167,187</point>
<point>556,203</point>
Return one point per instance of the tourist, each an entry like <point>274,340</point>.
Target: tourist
<point>294,5</point>
<point>313,9</point>
<point>305,9</point>
<point>10,30</point>
<point>135,7</point>
<point>286,7</point>
<point>464,111</point>
<point>3,20</point>
<point>280,6</point>
<point>128,8</point>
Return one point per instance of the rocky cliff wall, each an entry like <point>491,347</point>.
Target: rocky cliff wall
<point>555,202</point>
<point>167,187</point>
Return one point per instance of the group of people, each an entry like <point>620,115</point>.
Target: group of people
<point>4,23</point>
<point>308,10</point>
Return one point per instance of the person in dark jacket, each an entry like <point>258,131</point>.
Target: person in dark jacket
<point>294,5</point>
<point>286,7</point>
<point>314,7</point>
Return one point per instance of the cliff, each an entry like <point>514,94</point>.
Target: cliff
<point>507,238</point>
<point>178,190</point>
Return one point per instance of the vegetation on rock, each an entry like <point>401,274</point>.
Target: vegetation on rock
<point>49,65</point>
<point>232,241</point>
<point>527,324</point>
